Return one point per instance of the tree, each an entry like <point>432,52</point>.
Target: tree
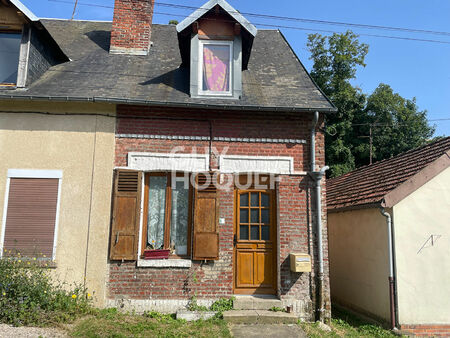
<point>335,60</point>
<point>396,123</point>
<point>173,22</point>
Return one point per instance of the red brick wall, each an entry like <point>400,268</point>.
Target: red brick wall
<point>132,25</point>
<point>294,199</point>
<point>426,330</point>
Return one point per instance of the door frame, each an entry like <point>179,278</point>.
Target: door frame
<point>274,219</point>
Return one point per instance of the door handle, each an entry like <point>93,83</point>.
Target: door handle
<point>117,238</point>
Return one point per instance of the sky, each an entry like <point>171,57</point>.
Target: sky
<point>412,68</point>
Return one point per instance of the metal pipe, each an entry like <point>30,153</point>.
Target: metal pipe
<point>391,278</point>
<point>313,141</point>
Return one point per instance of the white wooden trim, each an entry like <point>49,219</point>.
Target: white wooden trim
<point>5,211</point>
<point>173,162</point>
<point>200,68</point>
<point>247,167</point>
<point>34,173</point>
<point>141,220</point>
<point>27,173</point>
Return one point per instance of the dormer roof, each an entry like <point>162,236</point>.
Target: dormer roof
<point>226,7</point>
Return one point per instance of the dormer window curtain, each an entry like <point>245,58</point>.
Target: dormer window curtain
<point>216,70</point>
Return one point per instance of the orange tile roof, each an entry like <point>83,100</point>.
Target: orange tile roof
<point>369,184</point>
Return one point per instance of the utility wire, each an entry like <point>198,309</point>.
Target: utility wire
<point>283,26</point>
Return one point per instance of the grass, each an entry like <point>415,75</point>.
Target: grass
<point>344,324</point>
<point>111,323</point>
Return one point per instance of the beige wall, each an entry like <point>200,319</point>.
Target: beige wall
<point>423,276</point>
<point>82,147</point>
<point>359,261</point>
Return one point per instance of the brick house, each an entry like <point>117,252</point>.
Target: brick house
<point>214,159</point>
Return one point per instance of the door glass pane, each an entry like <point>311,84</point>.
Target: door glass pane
<point>156,212</point>
<point>254,216</point>
<point>243,217</point>
<point>254,232</point>
<point>265,218</point>
<point>254,199</point>
<point>264,200</point>
<point>216,68</point>
<point>179,219</point>
<point>265,233</point>
<point>244,200</point>
<point>243,232</point>
<point>9,56</point>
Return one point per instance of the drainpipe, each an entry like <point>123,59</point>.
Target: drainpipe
<point>317,177</point>
<point>391,267</point>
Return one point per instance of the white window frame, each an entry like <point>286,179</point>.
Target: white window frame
<point>31,173</point>
<point>200,68</point>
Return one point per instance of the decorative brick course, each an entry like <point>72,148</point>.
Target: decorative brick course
<point>296,227</point>
<point>434,330</point>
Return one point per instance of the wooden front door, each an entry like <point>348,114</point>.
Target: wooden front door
<point>255,242</point>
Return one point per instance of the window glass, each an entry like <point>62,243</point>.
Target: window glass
<point>156,211</point>
<point>179,219</point>
<point>216,68</point>
<point>9,57</point>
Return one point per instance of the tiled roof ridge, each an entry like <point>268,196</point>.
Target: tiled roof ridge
<point>404,154</point>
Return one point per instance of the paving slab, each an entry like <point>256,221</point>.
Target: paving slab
<point>259,316</point>
<point>267,330</point>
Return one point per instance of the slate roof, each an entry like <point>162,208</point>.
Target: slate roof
<point>275,79</point>
<point>368,185</point>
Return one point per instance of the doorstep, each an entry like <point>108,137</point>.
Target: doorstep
<point>256,302</point>
<point>259,317</point>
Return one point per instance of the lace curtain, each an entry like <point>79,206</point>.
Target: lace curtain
<point>216,68</point>
<point>156,211</point>
<point>179,218</point>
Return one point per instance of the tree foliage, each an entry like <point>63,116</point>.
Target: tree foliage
<point>397,124</point>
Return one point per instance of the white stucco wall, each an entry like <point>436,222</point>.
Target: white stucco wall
<point>423,269</point>
<point>359,261</point>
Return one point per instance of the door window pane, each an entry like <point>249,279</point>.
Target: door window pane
<point>264,200</point>
<point>255,216</point>
<point>244,200</point>
<point>255,199</point>
<point>156,211</point>
<point>254,233</point>
<point>9,57</point>
<point>265,219</point>
<point>265,233</point>
<point>179,219</point>
<point>243,216</point>
<point>216,68</point>
<point>243,229</point>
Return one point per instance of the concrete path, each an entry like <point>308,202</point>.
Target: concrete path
<point>267,330</point>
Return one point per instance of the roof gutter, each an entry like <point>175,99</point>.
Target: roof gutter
<point>161,103</point>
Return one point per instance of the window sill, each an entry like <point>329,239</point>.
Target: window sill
<point>164,263</point>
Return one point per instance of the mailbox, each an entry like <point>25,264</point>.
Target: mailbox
<point>300,262</point>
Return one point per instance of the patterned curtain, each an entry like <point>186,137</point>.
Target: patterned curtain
<point>156,211</point>
<point>179,218</point>
<point>216,64</point>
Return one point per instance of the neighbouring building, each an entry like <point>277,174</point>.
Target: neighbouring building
<point>388,232</point>
<point>199,145</point>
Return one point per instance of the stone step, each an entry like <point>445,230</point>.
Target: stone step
<point>259,317</point>
<point>256,303</point>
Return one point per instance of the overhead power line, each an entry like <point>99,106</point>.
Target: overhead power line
<point>280,26</point>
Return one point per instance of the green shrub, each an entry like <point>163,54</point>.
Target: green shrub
<point>29,296</point>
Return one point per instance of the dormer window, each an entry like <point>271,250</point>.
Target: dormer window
<point>9,57</point>
<point>216,70</point>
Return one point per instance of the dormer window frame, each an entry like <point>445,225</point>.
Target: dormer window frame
<point>229,92</point>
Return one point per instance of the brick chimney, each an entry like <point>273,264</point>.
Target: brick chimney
<point>132,27</point>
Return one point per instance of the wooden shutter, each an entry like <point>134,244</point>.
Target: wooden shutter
<point>31,216</point>
<point>206,220</point>
<point>126,212</point>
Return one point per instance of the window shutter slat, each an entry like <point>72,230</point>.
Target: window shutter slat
<point>206,220</point>
<point>126,211</point>
<point>31,216</point>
